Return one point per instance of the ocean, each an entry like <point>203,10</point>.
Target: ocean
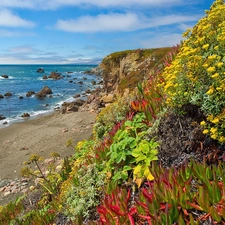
<point>24,78</point>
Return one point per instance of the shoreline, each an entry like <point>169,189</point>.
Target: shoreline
<point>41,135</point>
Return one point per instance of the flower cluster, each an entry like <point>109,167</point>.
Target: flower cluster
<point>197,76</point>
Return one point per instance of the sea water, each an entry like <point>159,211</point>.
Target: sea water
<point>25,78</point>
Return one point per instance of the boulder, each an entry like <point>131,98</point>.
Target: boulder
<point>25,115</point>
<point>108,98</point>
<point>5,76</point>
<point>2,117</point>
<point>21,97</point>
<point>79,102</point>
<point>69,107</point>
<point>93,82</point>
<point>43,92</point>
<point>8,94</point>
<point>1,96</point>
<point>88,91</point>
<point>30,93</point>
<point>80,82</point>
<point>40,70</point>
<point>84,78</point>
<point>55,75</point>
<point>76,96</point>
<point>45,77</point>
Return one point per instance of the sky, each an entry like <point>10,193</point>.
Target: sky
<point>85,31</point>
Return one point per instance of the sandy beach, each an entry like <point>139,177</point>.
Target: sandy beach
<point>42,136</point>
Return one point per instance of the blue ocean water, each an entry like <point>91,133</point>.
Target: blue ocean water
<point>24,78</point>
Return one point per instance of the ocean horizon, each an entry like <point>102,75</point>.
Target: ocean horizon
<point>23,78</point>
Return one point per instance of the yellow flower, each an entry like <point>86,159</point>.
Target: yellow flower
<point>212,57</point>
<point>219,64</point>
<point>211,69</point>
<point>215,75</point>
<point>205,131</point>
<point>216,47</point>
<point>213,130</point>
<point>210,118</point>
<point>206,46</point>
<point>214,136</point>
<point>222,139</point>
<point>210,91</point>
<point>203,123</point>
<point>216,120</point>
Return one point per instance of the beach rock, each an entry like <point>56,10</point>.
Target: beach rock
<point>43,92</point>
<point>76,96</point>
<point>79,102</point>
<point>45,77</point>
<point>25,115</point>
<point>1,96</point>
<point>5,76</point>
<point>2,117</point>
<point>55,75</point>
<point>69,107</point>
<point>40,70</point>
<point>93,82</point>
<point>8,94</point>
<point>88,91</point>
<point>5,123</point>
<point>108,98</point>
<point>100,82</point>
<point>30,93</point>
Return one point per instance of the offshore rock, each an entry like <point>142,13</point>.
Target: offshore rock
<point>55,75</point>
<point>8,94</point>
<point>5,76</point>
<point>44,92</point>
<point>40,70</point>
<point>30,93</point>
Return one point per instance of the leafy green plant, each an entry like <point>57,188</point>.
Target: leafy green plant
<point>130,155</point>
<point>83,193</point>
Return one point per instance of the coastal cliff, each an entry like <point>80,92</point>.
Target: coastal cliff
<point>121,71</point>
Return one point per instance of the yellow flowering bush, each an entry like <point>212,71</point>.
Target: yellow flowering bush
<point>197,75</point>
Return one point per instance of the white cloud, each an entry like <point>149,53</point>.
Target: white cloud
<point>24,49</point>
<point>119,22</point>
<point>102,22</point>
<point>8,19</point>
<point>53,4</point>
<point>162,40</point>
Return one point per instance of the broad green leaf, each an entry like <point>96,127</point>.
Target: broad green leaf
<point>136,152</point>
<point>141,157</point>
<point>126,168</point>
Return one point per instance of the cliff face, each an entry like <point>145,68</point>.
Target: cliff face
<point>121,71</point>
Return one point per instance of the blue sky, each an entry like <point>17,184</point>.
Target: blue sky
<point>85,31</point>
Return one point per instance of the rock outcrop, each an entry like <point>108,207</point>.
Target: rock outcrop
<point>8,94</point>
<point>2,117</point>
<point>1,96</point>
<point>123,70</point>
<point>40,70</point>
<point>44,92</point>
<point>5,76</point>
<point>55,75</point>
<point>30,93</point>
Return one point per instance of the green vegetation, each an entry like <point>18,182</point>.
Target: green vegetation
<point>115,178</point>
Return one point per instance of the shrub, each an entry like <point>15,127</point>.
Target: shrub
<point>197,75</point>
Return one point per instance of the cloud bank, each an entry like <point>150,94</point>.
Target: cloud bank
<point>119,22</point>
